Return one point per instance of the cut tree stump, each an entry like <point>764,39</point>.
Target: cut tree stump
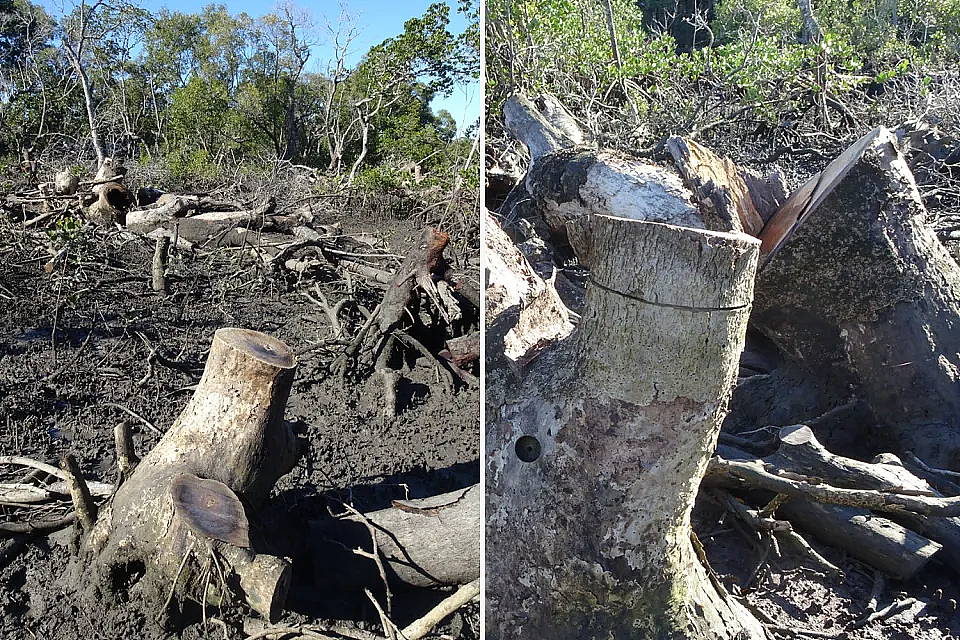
<point>429,542</point>
<point>856,288</point>
<point>231,432</point>
<point>594,457</point>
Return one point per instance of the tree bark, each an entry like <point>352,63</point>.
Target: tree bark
<point>595,457</point>
<point>719,186</point>
<point>232,432</point>
<point>428,542</point>
<point>857,289</point>
<point>800,452</point>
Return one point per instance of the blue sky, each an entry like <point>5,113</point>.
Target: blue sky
<point>376,19</point>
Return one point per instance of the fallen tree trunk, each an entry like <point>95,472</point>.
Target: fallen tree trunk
<point>429,542</point>
<point>173,212</point>
<point>854,286</point>
<point>231,433</point>
<point>881,543</point>
<point>590,477</point>
<point>567,182</point>
<point>800,452</point>
<point>888,546</point>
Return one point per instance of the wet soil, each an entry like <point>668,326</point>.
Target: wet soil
<point>798,601</point>
<point>75,360</point>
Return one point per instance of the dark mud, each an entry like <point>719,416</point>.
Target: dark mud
<point>797,598</point>
<point>75,360</point>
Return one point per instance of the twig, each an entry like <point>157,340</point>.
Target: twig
<point>375,556</point>
<point>126,456</point>
<point>76,356</point>
<point>42,526</point>
<point>423,626</point>
<point>97,488</point>
<point>890,610</point>
<point>793,631</point>
<point>920,463</point>
<point>389,628</point>
<point>754,472</point>
<point>146,422</point>
<point>879,582</point>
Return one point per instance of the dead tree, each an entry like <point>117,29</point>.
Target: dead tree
<point>596,453</point>
<point>858,289</point>
<point>178,519</point>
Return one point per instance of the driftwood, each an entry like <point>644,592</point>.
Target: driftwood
<point>231,433</point>
<point>428,542</point>
<point>854,286</point>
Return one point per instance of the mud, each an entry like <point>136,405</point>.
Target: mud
<point>75,360</point>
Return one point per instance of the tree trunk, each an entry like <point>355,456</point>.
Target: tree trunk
<point>232,432</point>
<point>595,456</point>
<point>812,33</point>
<point>856,288</point>
<point>364,140</point>
<point>74,57</point>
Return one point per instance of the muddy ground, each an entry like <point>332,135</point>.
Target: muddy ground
<point>74,351</point>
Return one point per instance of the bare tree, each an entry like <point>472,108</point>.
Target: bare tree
<point>76,33</point>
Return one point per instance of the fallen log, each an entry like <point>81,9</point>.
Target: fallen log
<point>179,215</point>
<point>800,452</point>
<point>754,473</point>
<point>428,542</point>
<point>567,182</point>
<point>881,543</point>
<point>231,433</point>
<point>888,546</point>
<point>855,287</point>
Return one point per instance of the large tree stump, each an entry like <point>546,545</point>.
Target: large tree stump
<point>231,432</point>
<point>595,457</point>
<point>857,289</point>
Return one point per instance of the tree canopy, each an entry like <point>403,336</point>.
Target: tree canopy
<point>203,91</point>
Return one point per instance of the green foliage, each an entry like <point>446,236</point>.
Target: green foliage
<point>66,231</point>
<point>191,165</point>
<point>383,179</point>
<point>749,67</point>
<point>207,91</point>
